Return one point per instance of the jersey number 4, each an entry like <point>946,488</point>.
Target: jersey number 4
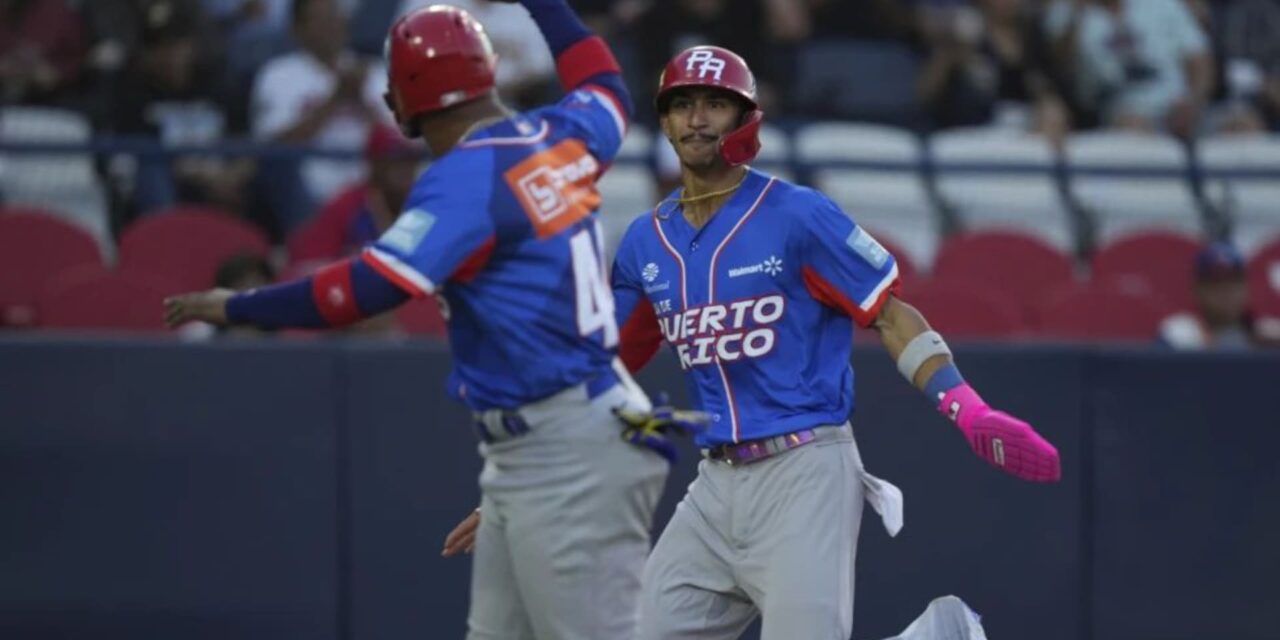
<point>594,299</point>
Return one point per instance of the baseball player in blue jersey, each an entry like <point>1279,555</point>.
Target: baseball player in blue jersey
<point>501,229</point>
<point>755,284</point>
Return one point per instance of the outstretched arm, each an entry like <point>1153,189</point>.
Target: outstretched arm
<point>582,58</point>
<point>924,359</point>
<point>337,295</point>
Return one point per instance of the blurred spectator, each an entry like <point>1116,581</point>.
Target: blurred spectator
<point>253,32</point>
<point>991,66</point>
<point>323,95</point>
<point>1248,34</point>
<point>842,59</point>
<point>42,50</point>
<point>239,273</point>
<point>526,71</point>
<point>796,21</point>
<point>164,94</point>
<point>611,18</point>
<point>358,215</point>
<point>1137,64</point>
<point>1222,320</point>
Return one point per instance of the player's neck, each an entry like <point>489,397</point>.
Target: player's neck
<point>706,191</point>
<point>443,130</point>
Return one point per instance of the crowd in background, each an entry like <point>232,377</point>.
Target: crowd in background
<point>310,72</point>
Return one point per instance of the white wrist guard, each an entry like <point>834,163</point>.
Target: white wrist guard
<point>921,348</point>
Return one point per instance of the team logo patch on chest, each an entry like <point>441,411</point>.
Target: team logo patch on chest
<point>650,272</point>
<point>771,266</point>
<point>556,187</point>
<point>724,332</point>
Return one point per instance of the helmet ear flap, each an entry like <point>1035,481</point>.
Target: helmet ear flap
<point>741,145</point>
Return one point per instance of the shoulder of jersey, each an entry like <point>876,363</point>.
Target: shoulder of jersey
<point>799,202</point>
<point>789,194</point>
<point>458,176</point>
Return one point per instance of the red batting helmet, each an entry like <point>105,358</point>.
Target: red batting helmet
<point>437,57</point>
<point>719,68</point>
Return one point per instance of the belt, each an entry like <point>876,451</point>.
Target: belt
<point>756,450</point>
<point>494,425</point>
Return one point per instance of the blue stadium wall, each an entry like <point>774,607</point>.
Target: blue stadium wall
<point>274,490</point>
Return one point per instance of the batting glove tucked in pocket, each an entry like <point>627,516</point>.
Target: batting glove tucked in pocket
<point>652,429</point>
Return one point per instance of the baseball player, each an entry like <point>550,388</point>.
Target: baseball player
<point>501,229</point>
<point>755,283</point>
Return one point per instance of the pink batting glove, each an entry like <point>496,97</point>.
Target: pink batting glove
<point>1001,439</point>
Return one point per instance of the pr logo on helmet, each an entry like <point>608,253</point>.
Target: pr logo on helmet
<point>709,63</point>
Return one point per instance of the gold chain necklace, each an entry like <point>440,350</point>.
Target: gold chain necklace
<point>706,196</point>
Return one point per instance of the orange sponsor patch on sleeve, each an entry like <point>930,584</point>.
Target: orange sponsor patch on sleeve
<point>556,187</point>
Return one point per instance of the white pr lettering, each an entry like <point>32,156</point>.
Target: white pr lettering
<point>709,64</point>
<point>704,346</point>
<point>739,311</point>
<point>775,305</point>
<point>687,323</point>
<point>711,317</point>
<point>757,343</point>
<point>722,347</point>
<point>682,350</point>
<point>670,326</point>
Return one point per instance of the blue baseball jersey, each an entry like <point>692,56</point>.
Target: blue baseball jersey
<point>502,229</point>
<point>758,305</point>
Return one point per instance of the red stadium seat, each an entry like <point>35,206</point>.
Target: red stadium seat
<point>965,309</point>
<point>1098,313</point>
<point>421,317</point>
<point>94,298</point>
<point>1164,259</point>
<point>188,243</point>
<point>1264,280</point>
<point>35,245</point>
<point>1019,266</point>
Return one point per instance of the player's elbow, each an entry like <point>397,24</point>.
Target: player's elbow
<point>897,317</point>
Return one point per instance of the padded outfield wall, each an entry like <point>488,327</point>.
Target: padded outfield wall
<point>277,490</point>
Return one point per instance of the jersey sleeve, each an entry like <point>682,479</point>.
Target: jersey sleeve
<point>593,114</point>
<point>439,237</point>
<point>639,334</point>
<point>843,266</point>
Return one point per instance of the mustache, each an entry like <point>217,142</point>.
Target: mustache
<point>705,137</point>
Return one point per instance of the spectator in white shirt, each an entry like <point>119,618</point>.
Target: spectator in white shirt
<point>1139,64</point>
<point>322,95</point>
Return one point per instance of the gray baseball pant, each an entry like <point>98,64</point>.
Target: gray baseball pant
<point>567,510</point>
<point>777,537</point>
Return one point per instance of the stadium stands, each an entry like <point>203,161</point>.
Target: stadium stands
<point>1163,260</point>
<point>91,297</point>
<point>1021,267</point>
<point>1102,168</point>
<point>35,245</point>
<point>891,198</point>
<point>1097,312</point>
<point>966,309</point>
<point>187,244</point>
